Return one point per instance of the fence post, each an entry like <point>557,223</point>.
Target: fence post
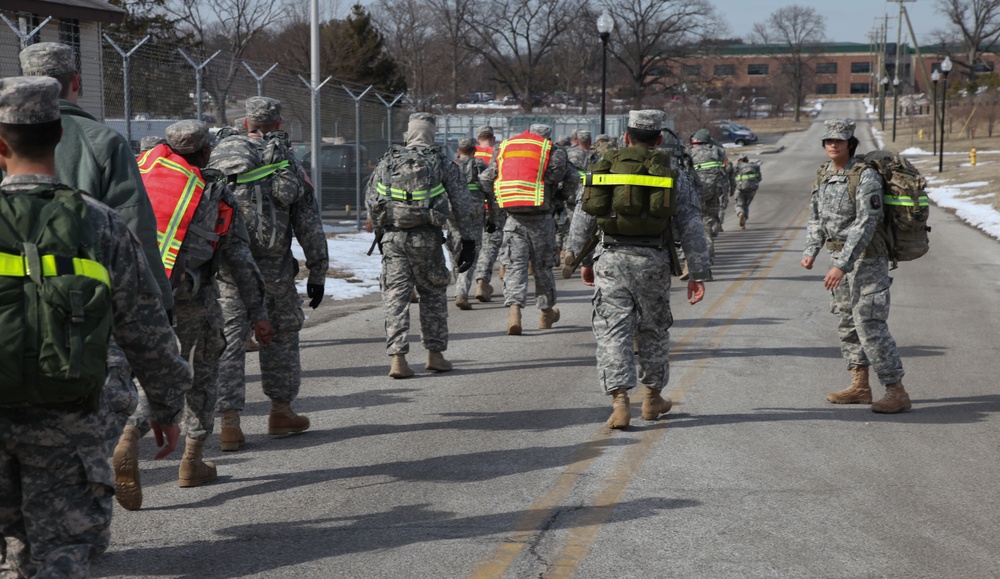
<point>317,166</point>
<point>198,68</point>
<point>260,79</point>
<point>24,37</point>
<point>388,106</point>
<point>357,144</point>
<point>126,56</point>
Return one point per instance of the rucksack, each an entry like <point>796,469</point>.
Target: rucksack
<point>747,176</point>
<point>212,219</point>
<point>409,187</point>
<point>55,301</point>
<point>631,192</point>
<point>905,205</point>
<point>252,165</point>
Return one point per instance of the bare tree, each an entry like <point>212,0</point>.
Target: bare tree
<point>410,40</point>
<point>515,37</point>
<point>226,25</point>
<point>647,32</point>
<point>451,23</point>
<point>795,27</point>
<point>977,22</point>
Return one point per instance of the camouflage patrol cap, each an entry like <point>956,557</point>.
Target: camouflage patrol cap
<point>188,136</point>
<point>466,142</point>
<point>583,135</point>
<point>423,118</point>
<point>147,143</point>
<point>484,131</point>
<point>645,120</point>
<point>603,137</point>
<point>540,129</point>
<point>47,59</point>
<point>263,109</point>
<point>26,100</point>
<point>838,129</point>
<point>701,136</point>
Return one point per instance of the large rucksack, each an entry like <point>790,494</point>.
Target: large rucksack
<point>631,192</point>
<point>55,301</point>
<point>252,166</point>
<point>748,176</point>
<point>906,207</point>
<point>409,187</point>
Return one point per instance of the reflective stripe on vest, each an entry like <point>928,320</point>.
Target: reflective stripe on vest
<point>521,171</point>
<point>748,176</point>
<point>175,189</point>
<point>261,172</point>
<point>905,201</point>
<point>708,165</point>
<point>404,195</point>
<point>485,154</point>
<point>54,265</point>
<point>626,179</point>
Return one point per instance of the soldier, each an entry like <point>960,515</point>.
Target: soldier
<point>490,249</point>
<point>486,141</point>
<point>581,156</point>
<point>710,163</point>
<point>413,192</point>
<point>55,481</point>
<point>632,273</point>
<point>471,168</point>
<point>528,173</point>
<point>211,236</point>
<point>95,159</point>
<point>604,143</point>
<point>148,142</point>
<point>748,177</point>
<point>859,277</point>
<point>294,213</point>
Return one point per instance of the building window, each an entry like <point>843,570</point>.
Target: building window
<point>725,70</point>
<point>69,33</point>
<point>860,88</point>
<point>826,68</point>
<point>830,88</point>
<point>757,69</point>
<point>691,70</point>
<point>27,22</point>
<point>861,67</point>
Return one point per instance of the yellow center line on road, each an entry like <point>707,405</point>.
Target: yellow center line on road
<point>581,539</point>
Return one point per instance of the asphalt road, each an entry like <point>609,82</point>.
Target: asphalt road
<point>503,467</point>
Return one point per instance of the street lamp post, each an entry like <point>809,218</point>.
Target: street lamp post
<point>945,69</point>
<point>605,24</point>
<point>885,89</point>
<point>935,77</point>
<point>895,105</point>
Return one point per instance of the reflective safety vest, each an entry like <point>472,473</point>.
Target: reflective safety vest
<point>521,166</point>
<point>485,154</point>
<point>175,190</point>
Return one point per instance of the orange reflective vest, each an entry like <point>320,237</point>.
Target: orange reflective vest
<point>521,166</point>
<point>484,154</point>
<point>175,190</point>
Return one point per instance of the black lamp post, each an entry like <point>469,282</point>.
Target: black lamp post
<point>945,69</point>
<point>605,24</point>
<point>895,105</point>
<point>885,89</point>
<point>935,77</point>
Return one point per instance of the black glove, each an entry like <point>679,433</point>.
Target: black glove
<point>315,293</point>
<point>490,227</point>
<point>468,255</point>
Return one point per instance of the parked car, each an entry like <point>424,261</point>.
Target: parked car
<point>339,176</point>
<point>729,132</point>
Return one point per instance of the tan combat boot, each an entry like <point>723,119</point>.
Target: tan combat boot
<point>743,221</point>
<point>548,317</point>
<point>284,420</point>
<point>400,369</point>
<point>503,271</point>
<point>462,303</point>
<point>436,362</point>
<point>231,436</point>
<point>654,404</point>
<point>194,471</point>
<point>859,392</point>
<point>484,291</point>
<point>895,400</point>
<point>128,489</point>
<point>514,320</point>
<point>622,414</point>
<point>414,297</point>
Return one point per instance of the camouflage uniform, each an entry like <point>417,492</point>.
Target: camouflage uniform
<point>147,143</point>
<point>710,164</point>
<point>96,160</point>
<point>747,181</point>
<point>531,237</point>
<point>280,368</point>
<point>471,168</point>
<point>632,288</point>
<point>861,301</point>
<point>413,257</point>
<point>580,158</point>
<point>55,481</point>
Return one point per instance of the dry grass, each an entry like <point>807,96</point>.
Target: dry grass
<point>771,126</point>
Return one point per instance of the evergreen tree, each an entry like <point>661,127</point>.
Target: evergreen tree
<point>355,51</point>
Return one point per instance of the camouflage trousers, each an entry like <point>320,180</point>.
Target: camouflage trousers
<point>743,199</point>
<point>563,220</point>
<point>632,299</point>
<point>55,507</point>
<point>529,239</point>
<point>199,329</point>
<point>710,216</point>
<point>861,302</point>
<point>723,205</point>
<point>121,392</point>
<point>280,368</point>
<point>463,281</point>
<point>490,250</point>
<point>411,259</point>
